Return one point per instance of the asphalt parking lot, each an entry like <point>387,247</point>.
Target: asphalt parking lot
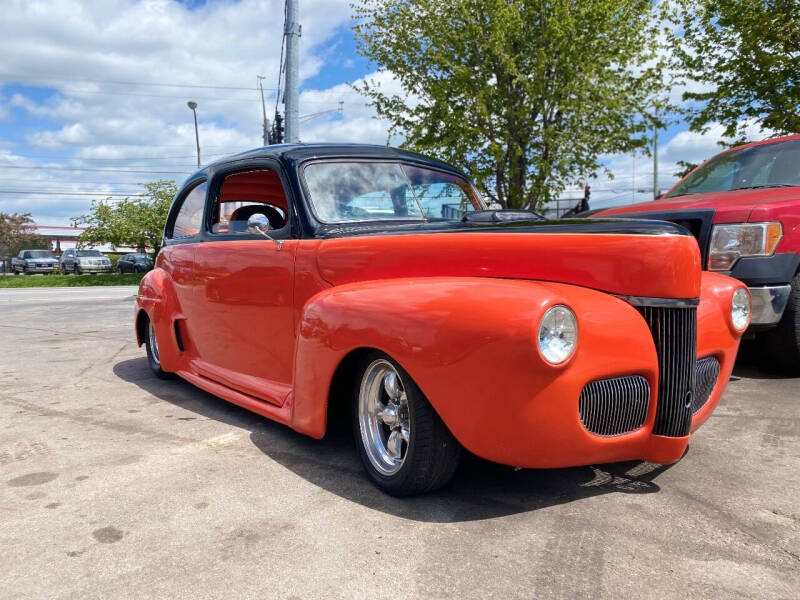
<point>114,484</point>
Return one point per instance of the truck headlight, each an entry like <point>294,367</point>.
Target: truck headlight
<point>740,309</point>
<point>729,243</point>
<point>558,334</point>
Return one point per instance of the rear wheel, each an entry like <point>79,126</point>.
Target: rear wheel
<point>405,447</point>
<point>782,344</point>
<point>153,355</point>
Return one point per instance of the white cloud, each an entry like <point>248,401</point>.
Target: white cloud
<point>70,50</point>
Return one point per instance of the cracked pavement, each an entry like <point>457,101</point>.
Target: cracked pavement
<point>116,484</point>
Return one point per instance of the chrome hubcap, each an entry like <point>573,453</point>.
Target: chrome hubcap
<point>383,417</point>
<point>153,343</point>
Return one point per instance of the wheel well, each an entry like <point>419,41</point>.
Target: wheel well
<point>141,326</point>
<point>339,394</point>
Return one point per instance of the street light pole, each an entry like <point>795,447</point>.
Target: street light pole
<point>260,78</point>
<point>193,105</point>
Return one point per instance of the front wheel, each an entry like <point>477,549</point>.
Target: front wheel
<point>782,344</point>
<point>405,447</point>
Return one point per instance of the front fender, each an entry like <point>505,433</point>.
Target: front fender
<point>470,345</point>
<point>157,298</point>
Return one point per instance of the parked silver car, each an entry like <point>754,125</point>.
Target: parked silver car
<point>84,261</point>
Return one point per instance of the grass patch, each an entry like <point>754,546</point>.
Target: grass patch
<point>23,281</point>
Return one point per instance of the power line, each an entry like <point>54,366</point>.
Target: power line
<point>62,157</point>
<point>133,94</point>
<point>62,193</point>
<point>16,76</point>
<point>60,168</point>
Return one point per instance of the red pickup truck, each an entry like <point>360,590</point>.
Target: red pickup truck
<point>743,207</point>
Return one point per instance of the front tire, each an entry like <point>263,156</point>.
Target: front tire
<point>404,446</point>
<point>153,356</point>
<point>782,344</point>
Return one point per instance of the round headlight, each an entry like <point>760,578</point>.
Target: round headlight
<point>558,334</point>
<point>740,309</point>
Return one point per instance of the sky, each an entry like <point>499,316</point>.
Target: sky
<point>93,97</point>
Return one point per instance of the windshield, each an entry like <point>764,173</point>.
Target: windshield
<point>37,254</point>
<point>768,165</point>
<point>88,253</point>
<point>363,190</point>
<point>140,257</point>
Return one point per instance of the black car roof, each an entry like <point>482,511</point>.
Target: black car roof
<point>301,152</point>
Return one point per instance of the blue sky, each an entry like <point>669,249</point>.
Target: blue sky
<point>93,96</point>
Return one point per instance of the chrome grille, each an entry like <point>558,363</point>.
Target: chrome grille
<point>707,373</point>
<point>614,406</point>
<point>674,330</point>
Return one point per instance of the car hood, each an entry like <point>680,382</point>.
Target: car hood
<point>731,207</point>
<point>636,257</point>
<point>42,260</point>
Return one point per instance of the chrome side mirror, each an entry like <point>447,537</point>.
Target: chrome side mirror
<point>258,224</point>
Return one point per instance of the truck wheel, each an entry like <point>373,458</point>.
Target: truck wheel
<point>153,356</point>
<point>782,344</point>
<point>405,447</point>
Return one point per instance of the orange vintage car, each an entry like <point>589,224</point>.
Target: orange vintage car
<point>305,281</point>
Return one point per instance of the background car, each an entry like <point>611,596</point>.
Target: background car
<point>28,262</point>
<point>743,206</point>
<point>135,262</point>
<point>79,261</point>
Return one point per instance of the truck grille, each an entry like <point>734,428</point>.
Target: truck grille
<point>707,370</point>
<point>614,406</point>
<point>674,330</point>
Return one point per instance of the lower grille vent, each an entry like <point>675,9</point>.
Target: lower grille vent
<point>674,331</point>
<point>707,373</point>
<point>614,406</point>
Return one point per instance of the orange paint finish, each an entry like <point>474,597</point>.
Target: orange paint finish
<point>716,335</point>
<point>468,341</point>
<point>620,264</point>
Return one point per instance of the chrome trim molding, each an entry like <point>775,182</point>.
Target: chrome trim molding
<point>706,375</point>
<point>769,302</point>
<point>615,406</point>
<point>660,302</point>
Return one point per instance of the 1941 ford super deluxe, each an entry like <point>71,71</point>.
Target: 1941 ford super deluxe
<point>299,281</point>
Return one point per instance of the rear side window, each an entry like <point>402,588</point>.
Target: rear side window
<point>246,193</point>
<point>190,215</point>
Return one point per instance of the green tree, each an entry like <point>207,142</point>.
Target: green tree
<point>747,53</point>
<point>136,222</point>
<point>17,233</point>
<point>525,94</point>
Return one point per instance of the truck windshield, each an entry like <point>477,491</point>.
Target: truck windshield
<point>88,253</point>
<point>768,165</point>
<point>37,254</point>
<point>372,190</point>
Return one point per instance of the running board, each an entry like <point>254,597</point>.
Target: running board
<point>281,414</point>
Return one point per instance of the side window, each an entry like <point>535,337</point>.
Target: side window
<point>190,214</point>
<point>246,193</point>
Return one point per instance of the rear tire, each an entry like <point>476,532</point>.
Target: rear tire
<point>404,446</point>
<point>782,344</point>
<point>153,356</point>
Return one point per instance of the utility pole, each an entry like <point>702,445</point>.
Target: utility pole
<point>292,31</point>
<point>656,191</point>
<point>265,123</point>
